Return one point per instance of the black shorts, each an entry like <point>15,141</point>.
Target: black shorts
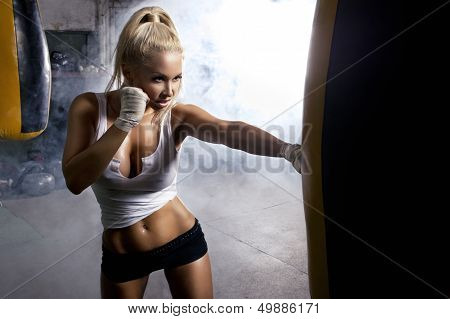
<point>182,250</point>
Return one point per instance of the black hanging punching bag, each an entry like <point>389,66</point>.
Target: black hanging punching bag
<point>375,192</point>
<point>25,79</point>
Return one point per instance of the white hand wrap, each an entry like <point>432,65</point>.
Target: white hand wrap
<point>292,153</point>
<point>133,102</point>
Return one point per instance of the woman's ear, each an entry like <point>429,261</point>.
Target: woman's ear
<point>126,70</point>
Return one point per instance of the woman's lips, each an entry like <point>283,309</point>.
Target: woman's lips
<point>163,102</point>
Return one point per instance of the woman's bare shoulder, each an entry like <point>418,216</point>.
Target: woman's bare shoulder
<point>86,102</point>
<point>178,113</point>
<point>85,105</point>
<point>181,110</point>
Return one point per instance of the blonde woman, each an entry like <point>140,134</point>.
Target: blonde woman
<point>125,144</point>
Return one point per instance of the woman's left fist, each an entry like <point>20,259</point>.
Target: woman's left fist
<point>292,153</point>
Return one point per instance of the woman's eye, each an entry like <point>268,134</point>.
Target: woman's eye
<point>158,79</point>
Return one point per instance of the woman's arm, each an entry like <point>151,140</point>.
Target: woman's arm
<point>83,163</point>
<point>253,140</point>
<point>235,134</point>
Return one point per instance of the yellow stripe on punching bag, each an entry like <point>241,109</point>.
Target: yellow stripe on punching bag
<point>9,79</point>
<point>313,111</point>
<point>25,82</point>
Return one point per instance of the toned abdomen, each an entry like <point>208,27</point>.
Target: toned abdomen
<point>155,230</point>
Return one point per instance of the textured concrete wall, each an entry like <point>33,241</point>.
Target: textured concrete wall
<point>75,15</point>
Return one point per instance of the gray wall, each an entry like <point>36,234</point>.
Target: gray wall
<point>78,15</point>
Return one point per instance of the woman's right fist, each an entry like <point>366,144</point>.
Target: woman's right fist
<point>133,102</point>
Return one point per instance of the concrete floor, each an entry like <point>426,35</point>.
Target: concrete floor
<point>253,223</point>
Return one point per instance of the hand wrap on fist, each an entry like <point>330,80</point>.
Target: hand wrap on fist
<point>292,153</point>
<point>133,102</point>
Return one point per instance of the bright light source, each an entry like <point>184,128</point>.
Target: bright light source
<point>264,44</point>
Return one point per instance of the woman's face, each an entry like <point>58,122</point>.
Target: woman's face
<point>160,78</point>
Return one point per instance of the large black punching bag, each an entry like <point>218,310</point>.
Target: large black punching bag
<point>375,140</point>
<point>25,79</point>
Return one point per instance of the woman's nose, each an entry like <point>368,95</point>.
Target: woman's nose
<point>168,89</point>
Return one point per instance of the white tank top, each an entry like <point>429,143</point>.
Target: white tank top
<point>124,201</point>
